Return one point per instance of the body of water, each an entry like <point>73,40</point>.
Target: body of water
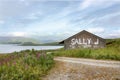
<point>9,48</point>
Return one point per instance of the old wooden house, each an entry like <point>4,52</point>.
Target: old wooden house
<point>83,39</point>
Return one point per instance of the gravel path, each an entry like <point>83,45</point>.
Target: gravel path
<point>83,69</point>
<point>102,63</point>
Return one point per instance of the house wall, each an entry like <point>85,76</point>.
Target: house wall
<point>84,40</point>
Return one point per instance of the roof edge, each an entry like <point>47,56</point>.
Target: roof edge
<point>62,42</point>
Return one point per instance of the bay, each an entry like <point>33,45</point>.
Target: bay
<point>9,48</point>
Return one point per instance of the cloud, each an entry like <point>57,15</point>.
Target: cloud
<point>15,34</point>
<point>2,22</point>
<point>111,19</point>
<point>97,3</point>
<point>114,34</point>
<point>33,16</point>
<point>26,2</point>
<point>71,7</point>
<point>49,25</point>
<point>96,30</point>
<point>18,34</point>
<point>18,8</point>
<point>10,9</point>
<point>59,19</point>
<point>110,15</point>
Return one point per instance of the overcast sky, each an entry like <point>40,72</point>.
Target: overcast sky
<point>59,18</point>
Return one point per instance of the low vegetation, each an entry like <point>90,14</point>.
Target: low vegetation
<point>111,51</point>
<point>25,65</point>
<point>32,65</point>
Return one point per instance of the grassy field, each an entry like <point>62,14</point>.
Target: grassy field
<point>25,65</point>
<point>32,64</point>
<point>111,51</point>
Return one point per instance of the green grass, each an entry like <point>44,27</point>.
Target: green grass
<point>25,65</point>
<point>111,52</point>
<point>32,64</point>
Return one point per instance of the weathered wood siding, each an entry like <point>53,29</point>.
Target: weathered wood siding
<point>84,39</point>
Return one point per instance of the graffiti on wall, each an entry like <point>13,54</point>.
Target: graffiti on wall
<point>87,41</point>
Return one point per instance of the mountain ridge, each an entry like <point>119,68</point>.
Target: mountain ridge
<point>17,40</point>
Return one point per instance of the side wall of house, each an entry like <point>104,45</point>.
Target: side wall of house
<point>84,41</point>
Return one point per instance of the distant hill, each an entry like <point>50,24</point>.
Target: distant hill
<point>43,44</point>
<point>31,41</point>
<point>16,40</point>
<point>52,43</point>
<point>113,42</point>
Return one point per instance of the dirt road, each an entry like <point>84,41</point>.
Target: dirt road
<point>92,62</point>
<point>84,69</point>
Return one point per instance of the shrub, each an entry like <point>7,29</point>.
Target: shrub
<point>26,66</point>
<point>112,53</point>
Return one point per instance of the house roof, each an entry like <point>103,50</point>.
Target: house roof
<point>84,31</point>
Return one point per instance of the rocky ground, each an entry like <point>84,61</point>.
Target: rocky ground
<point>66,70</point>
